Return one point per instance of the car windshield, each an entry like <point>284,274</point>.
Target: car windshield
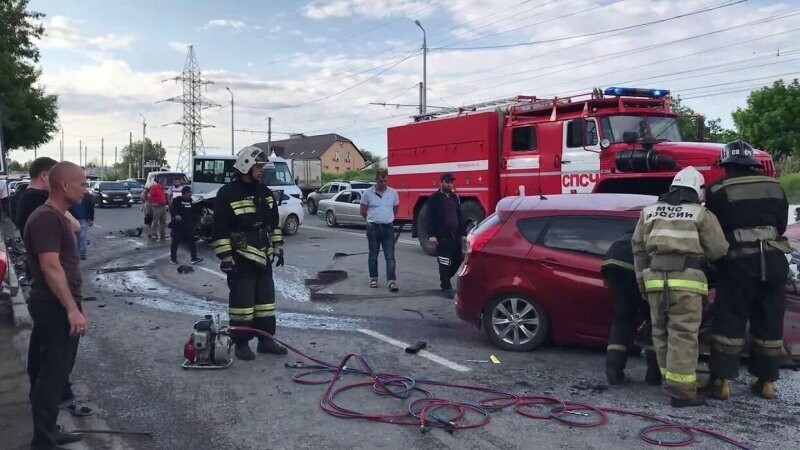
<point>661,128</point>
<point>131,184</point>
<point>277,176</point>
<point>112,187</point>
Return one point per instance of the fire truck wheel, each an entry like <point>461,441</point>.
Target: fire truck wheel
<point>422,233</point>
<point>472,214</point>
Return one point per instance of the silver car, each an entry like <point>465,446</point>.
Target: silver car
<point>329,190</point>
<point>343,208</point>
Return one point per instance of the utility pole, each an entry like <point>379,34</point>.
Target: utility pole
<point>269,136</point>
<point>102,159</point>
<point>424,103</point>
<point>421,98</point>
<point>86,155</point>
<point>144,141</point>
<point>231,92</point>
<point>115,157</point>
<point>80,151</point>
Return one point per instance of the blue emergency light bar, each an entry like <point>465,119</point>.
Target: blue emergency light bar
<point>636,92</point>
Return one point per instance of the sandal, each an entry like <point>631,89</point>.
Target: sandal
<point>393,286</point>
<point>76,408</point>
<point>373,284</point>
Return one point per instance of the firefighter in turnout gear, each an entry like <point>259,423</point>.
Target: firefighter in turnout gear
<point>673,242</point>
<point>753,211</point>
<point>247,240</point>
<point>617,269</point>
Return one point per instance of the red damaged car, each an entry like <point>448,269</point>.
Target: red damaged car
<point>532,270</point>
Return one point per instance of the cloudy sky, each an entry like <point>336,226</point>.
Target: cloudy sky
<point>315,66</point>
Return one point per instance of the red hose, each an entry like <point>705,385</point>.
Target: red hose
<point>464,413</point>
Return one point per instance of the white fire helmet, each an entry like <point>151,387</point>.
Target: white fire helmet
<point>691,178</point>
<point>249,157</point>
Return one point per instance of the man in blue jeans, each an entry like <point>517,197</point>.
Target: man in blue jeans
<point>379,206</point>
<point>84,212</point>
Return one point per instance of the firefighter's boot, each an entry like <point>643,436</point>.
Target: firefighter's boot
<point>615,366</point>
<point>697,400</point>
<point>269,346</point>
<point>653,375</point>
<point>764,389</point>
<point>718,388</point>
<point>242,351</point>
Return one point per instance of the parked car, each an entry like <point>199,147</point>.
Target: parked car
<point>329,190</point>
<point>290,214</point>
<point>110,193</point>
<point>135,188</point>
<point>343,208</point>
<point>532,269</point>
<point>169,177</point>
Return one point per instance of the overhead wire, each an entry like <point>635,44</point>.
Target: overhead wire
<point>597,33</point>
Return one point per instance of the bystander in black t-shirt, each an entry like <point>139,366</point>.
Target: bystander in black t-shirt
<point>49,231</point>
<point>30,199</point>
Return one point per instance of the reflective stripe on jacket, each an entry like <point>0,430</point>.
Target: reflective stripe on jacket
<point>687,230</point>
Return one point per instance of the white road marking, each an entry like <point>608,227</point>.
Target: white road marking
<point>212,271</point>
<point>311,227</point>
<point>424,353</point>
<point>136,242</point>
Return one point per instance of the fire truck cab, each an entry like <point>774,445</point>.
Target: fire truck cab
<point>621,140</point>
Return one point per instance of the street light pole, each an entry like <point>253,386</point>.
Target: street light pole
<point>231,92</point>
<point>424,106</point>
<point>144,139</point>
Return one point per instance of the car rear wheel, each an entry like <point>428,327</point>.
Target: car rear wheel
<point>330,219</point>
<point>312,207</point>
<point>515,322</point>
<point>291,225</point>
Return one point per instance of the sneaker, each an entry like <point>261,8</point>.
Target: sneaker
<point>173,261</point>
<point>270,346</point>
<point>243,352</point>
<point>197,260</point>
<point>393,286</point>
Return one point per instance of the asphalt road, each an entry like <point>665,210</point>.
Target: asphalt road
<point>129,363</point>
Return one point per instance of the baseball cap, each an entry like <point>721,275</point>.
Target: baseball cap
<point>448,177</point>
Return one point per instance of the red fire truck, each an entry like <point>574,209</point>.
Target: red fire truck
<point>618,140</point>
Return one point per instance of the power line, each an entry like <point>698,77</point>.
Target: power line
<point>596,33</point>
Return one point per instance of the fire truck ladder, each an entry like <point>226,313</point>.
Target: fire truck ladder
<point>518,104</point>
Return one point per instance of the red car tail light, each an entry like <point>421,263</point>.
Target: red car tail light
<point>483,234</point>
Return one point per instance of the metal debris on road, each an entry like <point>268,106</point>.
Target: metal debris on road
<point>120,269</point>
<point>414,349</point>
<point>478,360</point>
<point>494,359</point>
<point>184,269</point>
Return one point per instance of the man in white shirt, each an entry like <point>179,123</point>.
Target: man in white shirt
<point>379,207</point>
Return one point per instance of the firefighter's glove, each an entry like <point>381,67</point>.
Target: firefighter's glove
<point>278,258</point>
<point>227,265</point>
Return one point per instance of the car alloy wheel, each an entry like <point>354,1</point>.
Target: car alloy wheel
<point>330,219</point>
<point>291,225</point>
<point>514,322</point>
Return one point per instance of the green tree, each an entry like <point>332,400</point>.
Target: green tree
<point>369,157</point>
<point>687,124</point>
<point>28,115</point>
<point>771,119</point>
<point>15,166</point>
<point>153,151</point>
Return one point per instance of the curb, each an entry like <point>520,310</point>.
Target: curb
<point>19,305</point>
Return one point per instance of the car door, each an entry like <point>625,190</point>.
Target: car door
<point>340,204</point>
<point>565,268</point>
<point>354,208</point>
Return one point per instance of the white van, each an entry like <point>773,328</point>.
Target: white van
<point>212,171</point>
<point>168,176</point>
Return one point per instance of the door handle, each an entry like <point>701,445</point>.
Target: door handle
<point>546,260</point>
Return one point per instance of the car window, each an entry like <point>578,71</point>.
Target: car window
<point>343,197</point>
<point>360,185</point>
<point>355,196</point>
<point>112,186</point>
<point>284,197</point>
<point>325,189</point>
<point>337,188</point>
<point>590,235</point>
<point>531,229</point>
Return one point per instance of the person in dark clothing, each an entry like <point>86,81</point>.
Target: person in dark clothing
<point>84,214</point>
<point>753,212</point>
<point>617,269</point>
<point>444,223</point>
<point>54,302</point>
<point>32,198</point>
<point>247,240</point>
<point>182,225</point>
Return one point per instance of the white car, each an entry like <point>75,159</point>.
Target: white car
<point>343,208</point>
<point>290,213</point>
